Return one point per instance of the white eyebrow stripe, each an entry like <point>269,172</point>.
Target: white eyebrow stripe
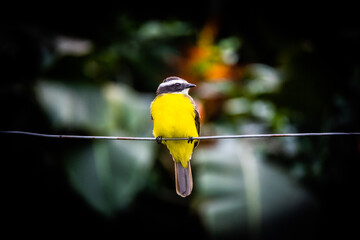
<point>172,82</point>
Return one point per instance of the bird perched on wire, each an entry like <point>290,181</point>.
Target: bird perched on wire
<point>175,115</point>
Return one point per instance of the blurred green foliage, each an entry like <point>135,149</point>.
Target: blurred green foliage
<point>254,73</point>
<point>104,173</point>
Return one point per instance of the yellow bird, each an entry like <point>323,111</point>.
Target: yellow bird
<point>175,115</point>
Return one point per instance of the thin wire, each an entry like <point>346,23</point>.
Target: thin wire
<point>194,138</point>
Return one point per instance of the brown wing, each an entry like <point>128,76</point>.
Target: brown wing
<point>197,123</point>
<point>197,119</point>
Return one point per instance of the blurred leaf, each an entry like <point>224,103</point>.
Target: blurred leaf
<point>107,174</point>
<point>236,190</point>
<point>73,106</point>
<point>110,174</point>
<point>159,30</point>
<point>96,109</point>
<point>262,79</point>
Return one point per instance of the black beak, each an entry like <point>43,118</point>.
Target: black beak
<point>189,85</point>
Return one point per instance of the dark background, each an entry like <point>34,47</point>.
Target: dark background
<point>316,48</point>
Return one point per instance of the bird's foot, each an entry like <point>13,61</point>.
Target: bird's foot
<point>159,140</point>
<point>190,140</point>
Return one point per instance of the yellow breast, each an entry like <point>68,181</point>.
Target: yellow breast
<point>174,116</point>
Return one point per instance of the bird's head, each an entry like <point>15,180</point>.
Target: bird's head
<point>174,85</point>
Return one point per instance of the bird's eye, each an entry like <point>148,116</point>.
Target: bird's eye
<point>177,85</point>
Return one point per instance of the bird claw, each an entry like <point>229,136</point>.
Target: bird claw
<point>190,140</point>
<point>159,140</point>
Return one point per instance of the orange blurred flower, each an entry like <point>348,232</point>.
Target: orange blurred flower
<point>204,61</point>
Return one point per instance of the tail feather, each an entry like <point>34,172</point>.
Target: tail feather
<point>183,179</point>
